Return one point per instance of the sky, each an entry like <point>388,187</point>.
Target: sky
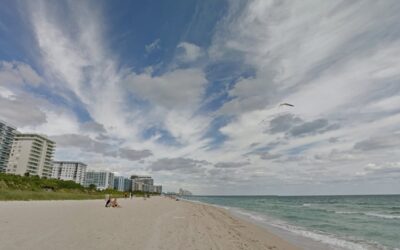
<point>189,91</point>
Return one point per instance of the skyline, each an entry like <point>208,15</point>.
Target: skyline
<point>190,91</point>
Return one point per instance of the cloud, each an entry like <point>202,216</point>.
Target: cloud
<point>283,123</point>
<point>86,143</point>
<point>378,143</point>
<point>83,142</point>
<point>337,62</point>
<point>313,127</point>
<point>380,171</point>
<point>153,46</point>
<point>92,126</point>
<point>269,156</point>
<point>18,73</point>
<point>190,53</point>
<point>184,165</point>
<point>163,90</point>
<point>231,164</point>
<point>21,112</point>
<point>18,106</point>
<point>295,126</point>
<point>134,155</point>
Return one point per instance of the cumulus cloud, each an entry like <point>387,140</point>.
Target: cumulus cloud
<point>134,155</point>
<point>81,141</point>
<point>21,112</point>
<point>184,165</point>
<point>92,126</point>
<point>86,143</point>
<point>295,126</point>
<point>190,53</point>
<point>283,123</point>
<point>18,73</point>
<point>179,89</point>
<point>313,127</point>
<point>338,62</point>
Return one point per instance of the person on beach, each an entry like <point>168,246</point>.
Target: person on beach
<point>108,202</point>
<point>114,203</point>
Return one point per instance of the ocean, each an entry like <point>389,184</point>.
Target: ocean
<point>332,222</point>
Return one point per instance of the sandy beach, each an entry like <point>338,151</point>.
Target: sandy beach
<point>156,223</point>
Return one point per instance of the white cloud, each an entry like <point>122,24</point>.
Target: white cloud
<point>12,73</point>
<point>191,52</point>
<point>338,63</point>
<point>179,89</point>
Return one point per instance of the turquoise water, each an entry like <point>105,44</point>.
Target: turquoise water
<point>343,222</point>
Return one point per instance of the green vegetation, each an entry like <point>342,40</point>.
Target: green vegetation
<point>15,187</point>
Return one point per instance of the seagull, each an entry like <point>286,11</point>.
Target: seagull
<point>282,104</point>
<point>286,104</point>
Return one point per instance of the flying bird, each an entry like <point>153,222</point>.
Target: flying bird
<point>282,104</point>
<point>286,104</point>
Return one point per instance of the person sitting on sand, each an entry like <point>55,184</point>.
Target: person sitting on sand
<point>108,201</point>
<point>114,203</point>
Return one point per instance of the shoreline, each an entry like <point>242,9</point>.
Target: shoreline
<point>248,216</point>
<point>155,223</point>
<point>300,237</point>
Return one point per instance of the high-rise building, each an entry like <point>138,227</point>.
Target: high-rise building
<point>127,185</point>
<point>7,133</point>
<point>69,171</point>
<point>142,183</point>
<point>184,192</point>
<point>144,179</point>
<point>102,179</point>
<point>157,189</point>
<point>145,184</point>
<point>122,184</point>
<point>119,183</point>
<point>32,154</point>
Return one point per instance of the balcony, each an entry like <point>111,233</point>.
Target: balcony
<point>35,154</point>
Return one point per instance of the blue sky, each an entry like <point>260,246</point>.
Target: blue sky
<point>189,91</point>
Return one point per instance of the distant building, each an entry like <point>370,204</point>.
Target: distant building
<point>32,154</point>
<point>157,189</point>
<point>144,179</point>
<point>7,133</point>
<point>102,179</point>
<point>142,183</point>
<point>137,186</point>
<point>122,184</point>
<point>145,184</point>
<point>184,192</point>
<point>69,171</point>
<point>127,185</point>
<point>119,183</point>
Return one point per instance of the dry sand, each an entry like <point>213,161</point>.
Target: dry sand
<point>157,223</point>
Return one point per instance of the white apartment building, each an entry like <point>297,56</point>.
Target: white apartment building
<point>157,189</point>
<point>69,171</point>
<point>145,184</point>
<point>102,179</point>
<point>7,133</point>
<point>32,154</point>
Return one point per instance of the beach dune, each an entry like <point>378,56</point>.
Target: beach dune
<point>155,223</point>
